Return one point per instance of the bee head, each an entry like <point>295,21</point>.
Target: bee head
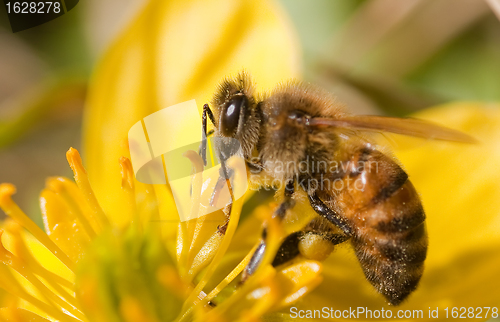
<point>236,111</point>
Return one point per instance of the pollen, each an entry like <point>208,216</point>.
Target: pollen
<point>315,247</point>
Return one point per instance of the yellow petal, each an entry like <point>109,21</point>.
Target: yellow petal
<point>459,189</point>
<point>176,51</point>
<point>458,183</point>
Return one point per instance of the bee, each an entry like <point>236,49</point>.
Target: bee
<point>295,135</point>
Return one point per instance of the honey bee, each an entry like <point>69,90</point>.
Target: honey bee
<point>294,134</point>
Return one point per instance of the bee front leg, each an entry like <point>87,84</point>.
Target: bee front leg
<point>225,178</point>
<point>280,213</point>
<point>203,146</point>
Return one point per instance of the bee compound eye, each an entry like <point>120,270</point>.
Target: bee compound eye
<point>231,115</point>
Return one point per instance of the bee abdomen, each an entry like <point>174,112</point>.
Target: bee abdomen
<point>391,245</point>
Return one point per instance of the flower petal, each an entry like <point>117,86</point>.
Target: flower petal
<point>459,183</point>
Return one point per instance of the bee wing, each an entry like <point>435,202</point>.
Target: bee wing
<point>405,126</point>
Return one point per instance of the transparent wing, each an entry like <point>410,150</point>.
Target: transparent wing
<point>405,126</point>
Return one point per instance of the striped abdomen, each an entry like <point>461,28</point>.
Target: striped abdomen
<point>387,219</point>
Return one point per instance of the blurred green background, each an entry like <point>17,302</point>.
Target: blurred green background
<point>378,56</point>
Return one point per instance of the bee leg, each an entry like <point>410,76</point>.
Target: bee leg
<point>254,261</point>
<point>203,146</point>
<point>258,255</point>
<point>225,179</point>
<point>202,151</point>
<point>324,211</point>
<point>315,242</point>
<point>289,249</point>
<point>318,245</point>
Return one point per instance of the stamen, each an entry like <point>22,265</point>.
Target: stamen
<point>57,186</point>
<point>22,251</point>
<point>207,251</point>
<point>128,187</point>
<point>20,266</point>
<point>9,283</point>
<point>16,314</point>
<point>57,282</point>
<point>53,279</point>
<point>304,277</point>
<point>193,299</point>
<point>266,302</point>
<point>13,211</point>
<point>197,162</point>
<point>230,277</point>
<point>127,174</point>
<point>82,180</point>
<point>187,228</point>
<point>265,271</point>
<point>62,226</point>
